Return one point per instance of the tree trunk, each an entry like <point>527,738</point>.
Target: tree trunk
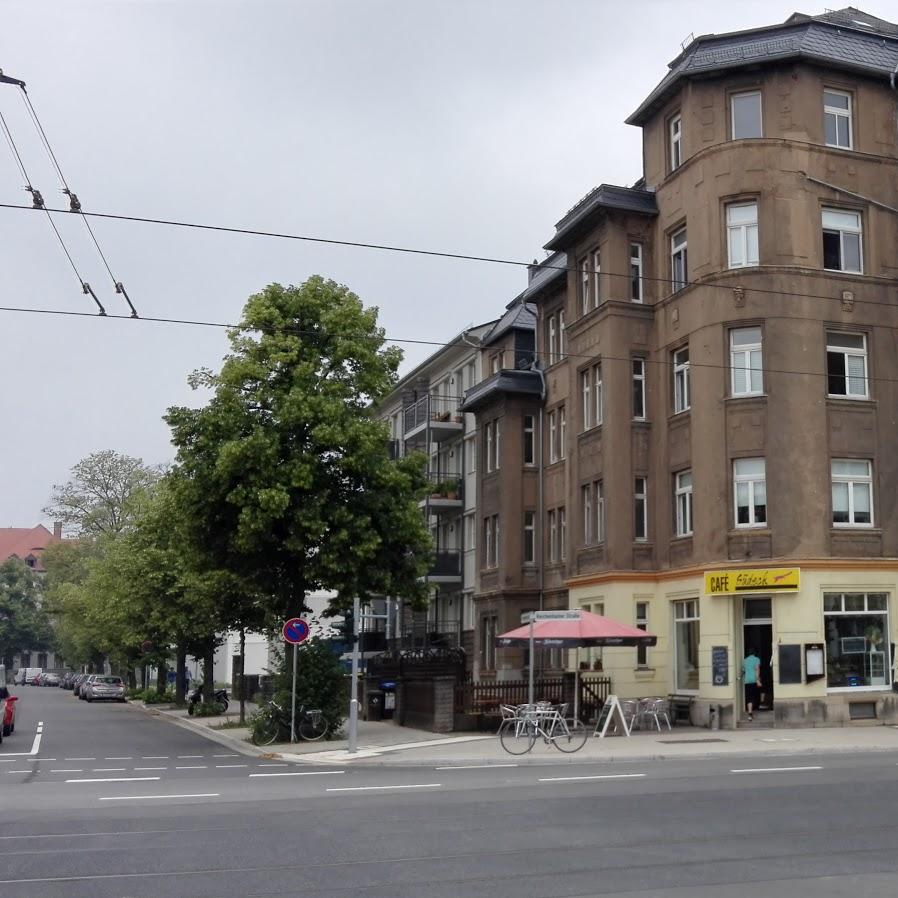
<point>241,683</point>
<point>132,677</point>
<point>181,677</point>
<point>161,677</point>
<point>208,672</point>
<point>145,677</point>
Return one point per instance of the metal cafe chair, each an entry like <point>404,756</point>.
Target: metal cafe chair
<point>654,710</point>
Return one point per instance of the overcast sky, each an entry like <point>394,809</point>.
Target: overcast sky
<point>459,125</point>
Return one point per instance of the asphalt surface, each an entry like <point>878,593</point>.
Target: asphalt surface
<point>119,804</point>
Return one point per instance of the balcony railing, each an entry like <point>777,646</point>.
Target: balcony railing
<point>432,633</point>
<point>446,565</point>
<point>435,417</point>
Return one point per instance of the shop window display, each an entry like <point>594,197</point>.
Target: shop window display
<point>858,651</point>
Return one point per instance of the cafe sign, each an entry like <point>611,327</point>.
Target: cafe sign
<point>729,583</point>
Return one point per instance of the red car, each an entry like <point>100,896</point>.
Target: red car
<point>7,712</point>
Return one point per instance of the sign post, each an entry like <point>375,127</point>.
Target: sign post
<point>295,631</point>
<point>354,685</point>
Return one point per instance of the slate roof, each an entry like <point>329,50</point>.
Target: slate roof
<point>603,197</point>
<point>20,542</point>
<point>838,39</point>
<point>520,316</point>
<point>506,382</point>
<point>549,272</point>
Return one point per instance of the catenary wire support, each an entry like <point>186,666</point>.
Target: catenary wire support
<point>74,202</point>
<point>89,290</point>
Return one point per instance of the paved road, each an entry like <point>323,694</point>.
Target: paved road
<point>116,803</point>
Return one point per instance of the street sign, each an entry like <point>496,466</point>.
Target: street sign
<point>537,616</point>
<point>296,630</point>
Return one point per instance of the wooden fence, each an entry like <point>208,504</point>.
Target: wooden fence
<point>486,697</point>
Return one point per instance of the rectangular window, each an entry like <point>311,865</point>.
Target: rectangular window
<point>681,379</point>
<point>488,632</point>
<point>529,440</point>
<point>745,111</point>
<point>562,533</point>
<point>553,436</point>
<point>746,362</point>
<point>679,263</point>
<point>551,340</point>
<point>470,537</point>
<point>858,650</point>
<point>596,278</point>
<point>529,548</point>
<point>562,433</point>
<point>470,450</point>
<point>642,623</point>
<point>588,519</point>
<point>600,511</point>
<point>496,542</point>
<point>837,119</point>
<point>488,541</point>
<point>639,389</point>
<point>686,626</point>
<point>488,446</point>
<point>496,363</point>
<point>846,365</point>
<point>562,335</point>
<point>742,234</point>
<point>750,492</point>
<point>584,285</point>
<point>636,272</point>
<point>586,394</point>
<point>641,509</point>
<point>842,241</point>
<point>598,411</point>
<point>553,535</point>
<point>683,498</point>
<point>852,483</point>
<point>676,142</point>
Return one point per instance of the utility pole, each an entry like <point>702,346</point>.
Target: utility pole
<point>354,678</point>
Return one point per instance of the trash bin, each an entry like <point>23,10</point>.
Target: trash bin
<point>389,690</point>
<point>374,708</point>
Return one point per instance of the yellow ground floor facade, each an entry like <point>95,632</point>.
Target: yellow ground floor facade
<point>824,630</point>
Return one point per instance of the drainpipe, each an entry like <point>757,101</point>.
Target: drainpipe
<point>894,76</point>
<point>541,497</point>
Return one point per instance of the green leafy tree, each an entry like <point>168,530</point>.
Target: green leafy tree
<point>24,624</point>
<point>283,477</point>
<point>103,496</point>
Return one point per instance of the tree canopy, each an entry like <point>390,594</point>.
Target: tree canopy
<point>24,625</point>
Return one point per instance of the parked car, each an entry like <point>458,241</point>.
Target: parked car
<point>76,683</point>
<point>35,679</point>
<point>68,680</point>
<point>102,688</point>
<point>7,712</point>
<point>85,685</point>
<point>49,679</point>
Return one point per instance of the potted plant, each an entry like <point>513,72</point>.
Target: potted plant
<point>451,489</point>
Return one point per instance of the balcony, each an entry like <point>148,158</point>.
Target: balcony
<point>428,634</point>
<point>446,494</point>
<point>446,567</point>
<point>433,419</point>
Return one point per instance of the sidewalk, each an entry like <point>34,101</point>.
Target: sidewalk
<point>385,744</point>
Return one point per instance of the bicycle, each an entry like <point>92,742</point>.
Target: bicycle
<point>523,725</point>
<point>273,720</point>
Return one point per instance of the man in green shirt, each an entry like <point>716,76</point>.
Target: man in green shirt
<point>751,676</point>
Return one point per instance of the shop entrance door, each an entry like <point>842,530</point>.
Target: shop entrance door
<point>757,636</point>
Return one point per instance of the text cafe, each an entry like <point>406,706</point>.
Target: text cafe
<point>825,638</point>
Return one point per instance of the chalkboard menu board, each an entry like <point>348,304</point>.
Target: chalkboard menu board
<point>790,663</point>
<point>720,665</point>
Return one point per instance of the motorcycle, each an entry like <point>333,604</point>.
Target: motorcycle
<point>195,698</point>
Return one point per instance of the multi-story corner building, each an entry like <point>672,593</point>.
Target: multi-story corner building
<point>716,407</point>
<point>425,416</point>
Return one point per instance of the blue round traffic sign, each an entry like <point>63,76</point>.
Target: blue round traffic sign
<point>296,630</point>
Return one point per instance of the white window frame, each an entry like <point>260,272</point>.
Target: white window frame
<point>562,432</point>
<point>596,278</point>
<point>562,533</point>
<point>529,440</point>
<point>641,622</point>
<point>600,511</point>
<point>597,388</point>
<point>848,353</point>
<point>529,546</point>
<point>681,376</point>
<point>562,335</point>
<point>679,260</point>
<point>638,384</point>
<point>742,95</point>
<point>683,499</point>
<point>469,522</point>
<point>842,231</point>
<point>584,284</point>
<point>553,535</point>
<point>552,339</point>
<point>838,113</point>
<point>636,293</point>
<point>488,540</point>
<point>854,482</point>
<point>886,614</point>
<point>752,481</point>
<point>738,234</point>
<point>470,449</point>
<point>675,138</point>
<point>586,396</point>
<point>641,498</point>
<point>684,612</point>
<point>588,520</point>
<point>553,437</point>
<point>741,360</point>
<point>488,446</point>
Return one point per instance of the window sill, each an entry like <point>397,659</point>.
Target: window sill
<point>680,415</point>
<point>847,690</point>
<point>840,398</point>
<point>856,528</point>
<point>552,464</point>
<point>761,529</point>
<point>842,271</point>
<point>641,422</point>
<point>590,430</point>
<point>682,537</point>
<point>743,397</point>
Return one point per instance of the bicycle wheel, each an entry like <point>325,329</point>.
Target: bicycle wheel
<point>266,730</point>
<point>570,736</point>
<point>313,726</point>
<point>517,736</point>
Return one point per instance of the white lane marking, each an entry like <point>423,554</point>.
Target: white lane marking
<point>772,769</point>
<point>475,766</point>
<point>602,776</point>
<point>154,758</point>
<point>151,768</point>
<point>229,766</point>
<point>79,759</point>
<point>193,767</point>
<point>382,788</point>
<point>225,756</point>
<point>129,758</point>
<point>7,760</point>
<point>30,770</point>
<point>35,746</point>
<point>117,779</point>
<point>68,770</point>
<point>274,765</point>
<point>187,757</point>
<point>303,773</point>
<point>157,797</point>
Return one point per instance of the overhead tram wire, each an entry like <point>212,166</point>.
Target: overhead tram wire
<point>39,205</point>
<point>74,202</point>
